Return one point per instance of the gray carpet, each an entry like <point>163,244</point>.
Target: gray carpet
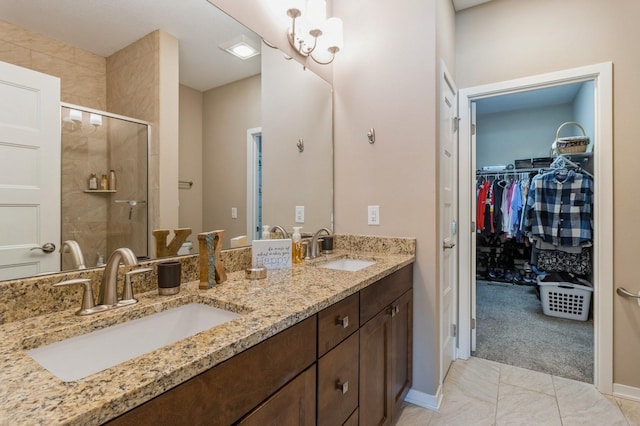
<point>511,329</point>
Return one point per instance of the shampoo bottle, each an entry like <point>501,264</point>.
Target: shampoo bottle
<point>112,180</point>
<point>266,234</point>
<point>93,181</point>
<point>296,249</point>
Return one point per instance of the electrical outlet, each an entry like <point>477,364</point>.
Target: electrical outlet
<point>299,214</point>
<point>234,213</point>
<point>373,216</point>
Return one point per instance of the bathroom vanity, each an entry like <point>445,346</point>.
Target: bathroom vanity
<point>360,357</point>
<point>311,344</point>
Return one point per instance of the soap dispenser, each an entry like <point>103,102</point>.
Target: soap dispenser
<point>296,246</point>
<point>266,233</point>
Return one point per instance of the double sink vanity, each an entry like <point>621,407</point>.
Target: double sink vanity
<point>326,342</point>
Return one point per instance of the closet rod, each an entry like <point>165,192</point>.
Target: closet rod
<point>561,162</point>
<point>508,172</point>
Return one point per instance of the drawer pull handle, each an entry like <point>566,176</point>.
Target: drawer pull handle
<point>395,310</point>
<point>342,387</point>
<point>344,321</point>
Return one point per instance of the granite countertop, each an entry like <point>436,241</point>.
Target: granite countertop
<point>29,394</point>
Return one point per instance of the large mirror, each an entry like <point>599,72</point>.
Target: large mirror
<point>255,140</point>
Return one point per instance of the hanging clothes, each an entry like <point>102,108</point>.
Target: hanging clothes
<point>498,189</point>
<point>514,208</point>
<point>484,214</point>
<point>559,220</point>
<point>559,208</point>
<point>505,206</point>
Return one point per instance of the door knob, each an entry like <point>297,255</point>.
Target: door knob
<point>448,245</point>
<point>46,247</point>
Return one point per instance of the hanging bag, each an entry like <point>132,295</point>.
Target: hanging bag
<point>570,144</point>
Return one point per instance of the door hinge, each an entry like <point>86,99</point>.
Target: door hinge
<point>473,226</point>
<point>454,330</point>
<point>473,129</point>
<point>473,323</point>
<point>456,123</point>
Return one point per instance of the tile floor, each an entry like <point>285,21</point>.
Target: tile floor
<point>482,392</point>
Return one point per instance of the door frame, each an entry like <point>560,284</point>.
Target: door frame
<point>252,183</point>
<point>602,75</point>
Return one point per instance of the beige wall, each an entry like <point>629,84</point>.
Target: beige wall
<point>190,161</point>
<point>504,39</point>
<point>379,84</point>
<point>296,104</point>
<point>82,74</point>
<point>228,112</point>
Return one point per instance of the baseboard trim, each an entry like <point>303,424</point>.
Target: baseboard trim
<point>425,400</point>
<point>623,391</point>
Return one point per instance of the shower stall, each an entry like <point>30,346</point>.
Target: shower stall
<point>104,184</point>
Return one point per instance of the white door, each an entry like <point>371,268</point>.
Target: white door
<point>448,219</point>
<point>29,172</point>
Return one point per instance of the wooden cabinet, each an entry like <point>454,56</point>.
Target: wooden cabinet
<point>225,393</point>
<point>385,347</point>
<point>295,404</point>
<point>338,382</point>
<point>375,373</point>
<point>337,322</point>
<point>401,350</point>
<point>350,364</point>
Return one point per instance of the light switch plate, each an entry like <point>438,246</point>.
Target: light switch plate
<point>373,216</point>
<point>299,214</point>
<point>234,213</point>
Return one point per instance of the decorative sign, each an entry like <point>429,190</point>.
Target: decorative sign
<point>272,254</point>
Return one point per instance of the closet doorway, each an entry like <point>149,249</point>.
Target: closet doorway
<point>596,80</point>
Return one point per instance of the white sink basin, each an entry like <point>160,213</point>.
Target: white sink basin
<point>78,357</point>
<point>348,264</point>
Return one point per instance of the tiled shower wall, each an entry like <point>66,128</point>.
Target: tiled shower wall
<point>133,90</point>
<point>83,75</point>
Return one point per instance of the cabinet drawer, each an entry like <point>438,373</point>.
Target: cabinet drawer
<point>337,322</point>
<point>226,392</point>
<point>294,404</point>
<point>338,382</point>
<point>380,294</point>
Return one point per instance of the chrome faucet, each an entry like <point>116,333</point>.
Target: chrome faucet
<point>109,285</point>
<point>314,241</point>
<point>72,246</point>
<point>281,229</point>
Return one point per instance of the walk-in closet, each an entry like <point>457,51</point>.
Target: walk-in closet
<point>534,229</point>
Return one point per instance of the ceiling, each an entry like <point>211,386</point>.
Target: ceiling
<point>466,4</point>
<point>104,27</point>
<point>537,98</point>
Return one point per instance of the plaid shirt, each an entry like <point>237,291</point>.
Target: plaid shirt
<point>559,210</point>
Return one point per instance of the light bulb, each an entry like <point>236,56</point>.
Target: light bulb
<point>334,33</point>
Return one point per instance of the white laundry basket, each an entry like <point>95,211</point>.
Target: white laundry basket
<point>565,300</point>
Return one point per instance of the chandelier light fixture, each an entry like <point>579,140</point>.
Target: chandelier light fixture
<point>311,34</point>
